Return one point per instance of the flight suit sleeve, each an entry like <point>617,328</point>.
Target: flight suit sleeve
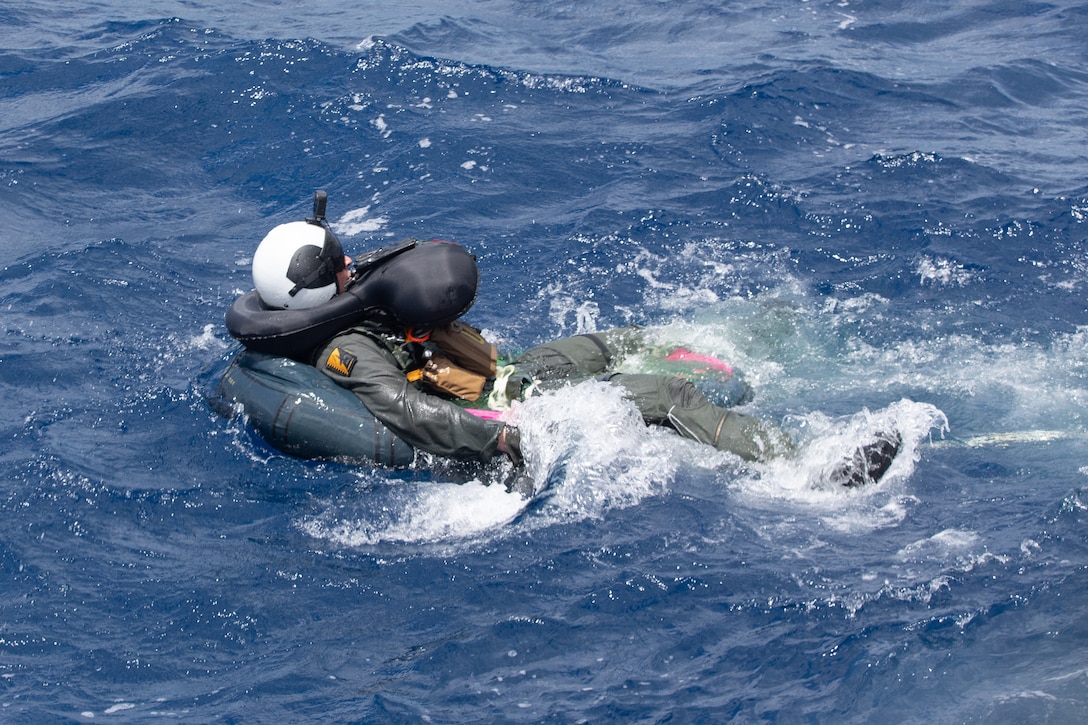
<point>426,421</point>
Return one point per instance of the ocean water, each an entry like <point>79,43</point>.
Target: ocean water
<point>877,210</point>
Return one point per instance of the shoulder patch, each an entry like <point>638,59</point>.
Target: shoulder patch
<point>341,362</point>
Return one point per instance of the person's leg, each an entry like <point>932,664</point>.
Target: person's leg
<point>675,402</point>
<point>580,356</point>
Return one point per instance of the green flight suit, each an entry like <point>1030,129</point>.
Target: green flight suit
<point>662,399</point>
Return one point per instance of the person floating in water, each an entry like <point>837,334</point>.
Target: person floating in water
<point>417,367</point>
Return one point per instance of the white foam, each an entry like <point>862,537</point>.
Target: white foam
<point>585,443</point>
<point>358,221</point>
<point>802,482</point>
<point>207,340</point>
<point>420,513</point>
<point>588,443</point>
<point>119,707</point>
<point>382,126</point>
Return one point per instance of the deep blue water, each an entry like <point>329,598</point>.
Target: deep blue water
<point>876,209</point>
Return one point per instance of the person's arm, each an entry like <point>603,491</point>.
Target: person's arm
<point>428,422</point>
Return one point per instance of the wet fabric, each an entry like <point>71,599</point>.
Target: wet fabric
<point>661,399</point>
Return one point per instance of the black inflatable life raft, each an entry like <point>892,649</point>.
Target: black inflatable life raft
<point>300,411</point>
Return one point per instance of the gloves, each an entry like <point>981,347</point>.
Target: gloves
<point>519,482</point>
<point>512,437</point>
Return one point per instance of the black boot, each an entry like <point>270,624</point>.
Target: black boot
<point>869,463</point>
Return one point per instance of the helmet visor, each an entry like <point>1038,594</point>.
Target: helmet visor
<point>323,269</point>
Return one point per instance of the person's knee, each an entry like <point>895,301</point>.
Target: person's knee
<point>750,438</point>
<point>683,393</point>
<point>694,416</point>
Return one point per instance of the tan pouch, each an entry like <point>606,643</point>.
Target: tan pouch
<point>466,347</point>
<point>441,374</point>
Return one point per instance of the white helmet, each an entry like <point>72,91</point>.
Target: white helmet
<point>296,264</point>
